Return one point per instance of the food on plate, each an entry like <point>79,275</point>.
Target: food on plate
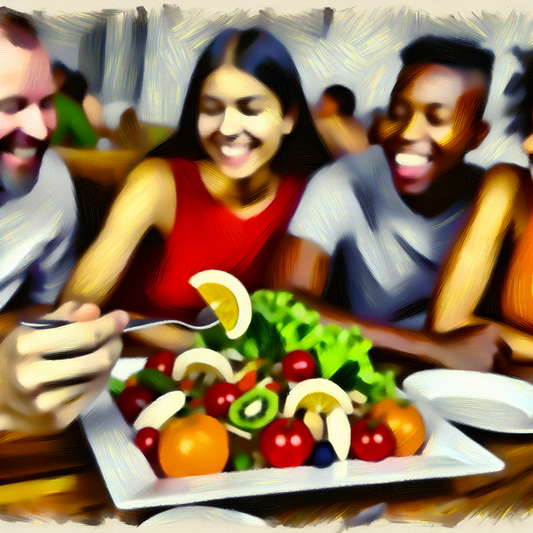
<point>131,401</point>
<point>338,428</point>
<point>286,442</point>
<point>219,397</point>
<point>248,381</point>
<point>315,424</point>
<point>324,455</point>
<point>227,297</point>
<point>318,394</point>
<point>298,365</point>
<point>155,414</point>
<point>288,392</point>
<point>155,381</point>
<point>254,409</point>
<point>193,445</point>
<point>372,441</point>
<point>147,440</point>
<point>115,386</point>
<point>243,461</point>
<point>404,421</point>
<point>201,360</point>
<point>162,361</point>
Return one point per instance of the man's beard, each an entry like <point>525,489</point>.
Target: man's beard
<point>25,179</point>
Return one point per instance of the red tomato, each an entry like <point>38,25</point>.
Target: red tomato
<point>219,397</point>
<point>286,442</point>
<point>372,442</point>
<point>405,422</point>
<point>147,440</point>
<point>162,361</point>
<point>131,401</point>
<point>298,365</point>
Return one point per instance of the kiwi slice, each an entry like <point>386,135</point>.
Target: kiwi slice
<point>254,409</point>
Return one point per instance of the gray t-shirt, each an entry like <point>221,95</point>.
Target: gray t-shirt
<point>392,255</point>
<point>37,234</point>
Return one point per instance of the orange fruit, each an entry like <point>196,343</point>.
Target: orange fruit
<point>194,445</point>
<point>404,421</point>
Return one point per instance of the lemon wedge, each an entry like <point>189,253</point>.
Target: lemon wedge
<point>160,410</point>
<point>202,360</point>
<point>319,395</point>
<point>227,297</point>
<point>314,424</point>
<point>339,431</point>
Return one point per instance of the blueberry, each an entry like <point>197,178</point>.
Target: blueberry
<point>324,455</point>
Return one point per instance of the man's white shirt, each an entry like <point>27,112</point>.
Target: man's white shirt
<point>37,234</point>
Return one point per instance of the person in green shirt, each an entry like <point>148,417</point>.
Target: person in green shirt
<point>73,127</point>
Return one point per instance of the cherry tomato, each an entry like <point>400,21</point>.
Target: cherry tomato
<point>371,442</point>
<point>286,442</point>
<point>162,361</point>
<point>147,440</point>
<point>298,365</point>
<point>405,422</point>
<point>219,397</point>
<point>131,401</point>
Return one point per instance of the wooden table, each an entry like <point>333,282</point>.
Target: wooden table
<point>56,478</point>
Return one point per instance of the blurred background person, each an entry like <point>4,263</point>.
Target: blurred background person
<point>335,121</point>
<point>73,127</point>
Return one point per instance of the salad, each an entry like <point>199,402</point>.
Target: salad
<point>288,391</point>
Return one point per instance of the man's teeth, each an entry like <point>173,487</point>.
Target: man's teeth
<point>24,153</point>
<point>411,160</point>
<point>234,151</point>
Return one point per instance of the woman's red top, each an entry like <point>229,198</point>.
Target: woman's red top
<point>206,235</point>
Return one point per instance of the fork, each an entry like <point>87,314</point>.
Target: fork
<point>206,319</point>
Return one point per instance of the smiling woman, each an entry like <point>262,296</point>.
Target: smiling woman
<point>241,123</point>
<point>219,192</point>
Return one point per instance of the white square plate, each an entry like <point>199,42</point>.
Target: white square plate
<point>133,485</point>
<point>477,399</point>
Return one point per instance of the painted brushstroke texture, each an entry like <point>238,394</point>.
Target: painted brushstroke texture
<point>360,51</point>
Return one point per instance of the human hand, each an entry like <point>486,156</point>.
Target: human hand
<point>47,377</point>
<point>479,348</point>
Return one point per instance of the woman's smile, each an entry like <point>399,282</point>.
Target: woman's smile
<point>241,122</point>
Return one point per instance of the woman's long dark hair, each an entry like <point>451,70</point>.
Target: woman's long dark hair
<point>260,54</point>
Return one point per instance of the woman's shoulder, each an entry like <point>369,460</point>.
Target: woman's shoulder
<point>160,167</point>
<point>175,166</point>
<point>510,171</point>
<point>508,179</point>
<point>152,177</point>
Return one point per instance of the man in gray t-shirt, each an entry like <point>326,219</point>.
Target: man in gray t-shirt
<point>392,213</point>
<point>391,254</point>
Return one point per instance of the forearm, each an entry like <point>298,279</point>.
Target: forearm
<point>422,345</point>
